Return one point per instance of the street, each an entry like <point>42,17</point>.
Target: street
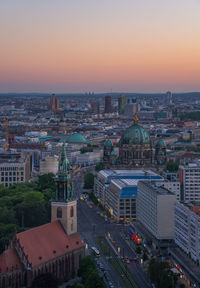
<point>91,225</point>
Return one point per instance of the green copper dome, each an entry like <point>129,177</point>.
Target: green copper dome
<point>108,143</point>
<point>135,134</point>
<point>77,138</point>
<point>160,144</point>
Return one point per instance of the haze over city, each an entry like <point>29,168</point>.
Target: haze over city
<point>100,46</point>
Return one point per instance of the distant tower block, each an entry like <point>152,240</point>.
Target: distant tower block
<point>169,97</point>
<point>122,101</point>
<point>108,104</point>
<point>54,103</point>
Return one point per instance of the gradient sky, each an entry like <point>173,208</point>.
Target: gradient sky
<point>99,45</point>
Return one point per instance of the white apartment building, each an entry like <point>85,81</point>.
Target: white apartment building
<point>189,177</point>
<point>187,229</point>
<point>155,209</point>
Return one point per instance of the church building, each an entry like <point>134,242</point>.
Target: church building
<point>135,150</point>
<point>54,247</point>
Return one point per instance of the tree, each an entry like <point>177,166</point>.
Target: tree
<point>25,204</point>
<point>145,257</point>
<point>99,167</point>
<point>7,216</point>
<point>159,274</point>
<point>46,181</point>
<point>88,272</point>
<point>93,198</point>
<point>6,233</point>
<point>31,212</point>
<point>88,181</point>
<point>87,265</point>
<point>94,281</point>
<point>138,250</point>
<point>172,166</point>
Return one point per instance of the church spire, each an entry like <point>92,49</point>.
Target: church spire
<point>64,185</point>
<point>64,168</point>
<point>135,118</point>
<point>63,208</point>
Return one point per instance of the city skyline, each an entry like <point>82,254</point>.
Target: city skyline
<point>100,46</point>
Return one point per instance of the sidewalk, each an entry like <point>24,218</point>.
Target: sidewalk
<point>186,263</point>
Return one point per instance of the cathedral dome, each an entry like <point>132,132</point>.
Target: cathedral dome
<point>135,134</point>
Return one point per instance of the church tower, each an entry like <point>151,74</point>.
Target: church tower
<point>64,207</point>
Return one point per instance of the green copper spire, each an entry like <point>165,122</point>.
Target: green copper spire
<point>64,185</point>
<point>64,166</point>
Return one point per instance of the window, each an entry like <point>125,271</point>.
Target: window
<point>72,212</point>
<point>59,212</point>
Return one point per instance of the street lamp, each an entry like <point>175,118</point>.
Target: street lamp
<point>118,249</point>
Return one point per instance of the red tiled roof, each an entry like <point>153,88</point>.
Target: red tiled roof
<point>190,154</point>
<point>8,260</point>
<point>46,242</point>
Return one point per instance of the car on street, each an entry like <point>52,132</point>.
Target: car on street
<point>101,267</point>
<point>110,284</point>
<point>91,206</point>
<point>106,275</point>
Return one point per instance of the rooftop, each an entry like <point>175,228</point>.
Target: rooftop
<point>46,242</point>
<point>129,177</point>
<point>158,189</point>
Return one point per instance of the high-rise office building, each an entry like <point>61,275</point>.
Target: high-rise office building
<point>155,209</point>
<point>131,108</point>
<point>169,97</point>
<point>122,101</point>
<point>54,103</point>
<point>108,104</point>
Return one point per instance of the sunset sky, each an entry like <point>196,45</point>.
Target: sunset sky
<point>99,45</point>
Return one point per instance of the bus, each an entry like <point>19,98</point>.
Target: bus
<point>95,251</point>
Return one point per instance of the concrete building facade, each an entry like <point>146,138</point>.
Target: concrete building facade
<point>155,210</point>
<point>189,176</point>
<point>187,229</point>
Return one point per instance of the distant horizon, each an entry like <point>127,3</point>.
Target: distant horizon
<point>97,93</point>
